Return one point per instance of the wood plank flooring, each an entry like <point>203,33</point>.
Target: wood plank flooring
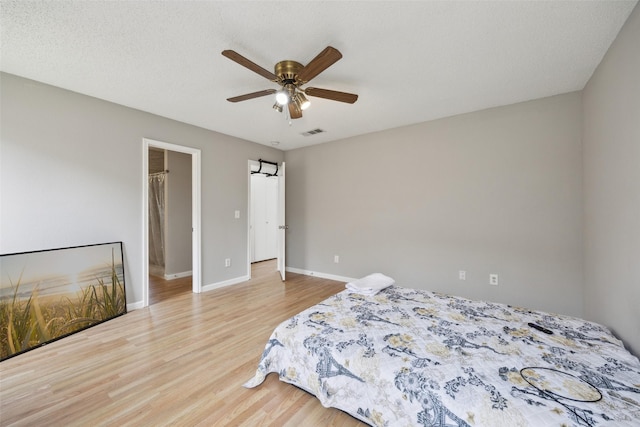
<point>179,362</point>
<point>162,290</point>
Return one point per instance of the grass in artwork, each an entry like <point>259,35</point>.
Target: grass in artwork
<point>37,319</point>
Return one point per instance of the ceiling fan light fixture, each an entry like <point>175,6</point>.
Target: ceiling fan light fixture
<point>289,75</point>
<point>282,97</point>
<point>302,101</point>
<point>294,110</point>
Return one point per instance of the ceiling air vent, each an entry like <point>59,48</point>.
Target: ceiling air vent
<point>312,132</point>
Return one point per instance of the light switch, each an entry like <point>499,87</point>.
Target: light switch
<point>237,214</point>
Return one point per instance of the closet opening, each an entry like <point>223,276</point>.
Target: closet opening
<point>171,243</point>
<point>266,213</point>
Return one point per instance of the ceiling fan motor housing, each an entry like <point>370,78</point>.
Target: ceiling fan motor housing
<point>287,72</point>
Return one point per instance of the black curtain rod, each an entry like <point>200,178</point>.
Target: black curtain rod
<point>162,171</point>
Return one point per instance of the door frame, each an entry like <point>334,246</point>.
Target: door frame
<point>249,164</point>
<point>280,207</point>
<point>282,226</point>
<point>196,220</point>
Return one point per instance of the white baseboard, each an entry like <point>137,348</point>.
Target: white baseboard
<point>135,306</point>
<point>321,275</point>
<point>178,275</point>
<point>224,283</point>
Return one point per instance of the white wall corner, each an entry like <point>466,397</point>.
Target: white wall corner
<point>178,275</point>
<point>135,306</point>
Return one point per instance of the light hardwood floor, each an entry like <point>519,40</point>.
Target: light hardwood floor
<point>162,290</point>
<point>179,362</point>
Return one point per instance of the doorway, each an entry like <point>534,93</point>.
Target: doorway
<point>264,217</point>
<point>173,266</point>
<point>266,214</point>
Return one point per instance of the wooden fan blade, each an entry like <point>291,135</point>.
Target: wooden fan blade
<point>236,57</point>
<point>251,95</point>
<point>324,60</point>
<point>294,111</point>
<point>333,95</point>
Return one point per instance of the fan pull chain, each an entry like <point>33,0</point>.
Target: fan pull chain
<point>287,115</point>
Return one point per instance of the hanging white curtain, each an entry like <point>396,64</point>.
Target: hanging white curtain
<point>156,218</point>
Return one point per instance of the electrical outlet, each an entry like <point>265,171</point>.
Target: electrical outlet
<point>336,259</point>
<point>462,275</point>
<point>493,279</point>
<point>227,262</point>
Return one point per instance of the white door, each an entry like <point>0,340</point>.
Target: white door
<point>257,217</point>
<point>282,227</point>
<point>271,216</point>
<point>264,217</point>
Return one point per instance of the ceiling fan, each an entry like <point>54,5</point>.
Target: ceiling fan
<point>291,76</point>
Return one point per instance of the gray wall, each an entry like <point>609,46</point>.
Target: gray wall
<point>612,187</point>
<point>71,174</point>
<point>178,256</point>
<point>495,191</point>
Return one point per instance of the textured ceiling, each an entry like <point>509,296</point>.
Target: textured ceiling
<point>408,61</point>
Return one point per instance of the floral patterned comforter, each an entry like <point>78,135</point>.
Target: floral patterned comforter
<point>408,357</point>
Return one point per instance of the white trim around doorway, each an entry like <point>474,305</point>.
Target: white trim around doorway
<point>195,209</point>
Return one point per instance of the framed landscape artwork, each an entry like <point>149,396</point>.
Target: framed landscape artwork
<point>46,295</point>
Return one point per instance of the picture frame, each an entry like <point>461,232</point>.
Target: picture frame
<point>49,294</point>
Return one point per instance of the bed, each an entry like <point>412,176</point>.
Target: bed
<point>407,357</point>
